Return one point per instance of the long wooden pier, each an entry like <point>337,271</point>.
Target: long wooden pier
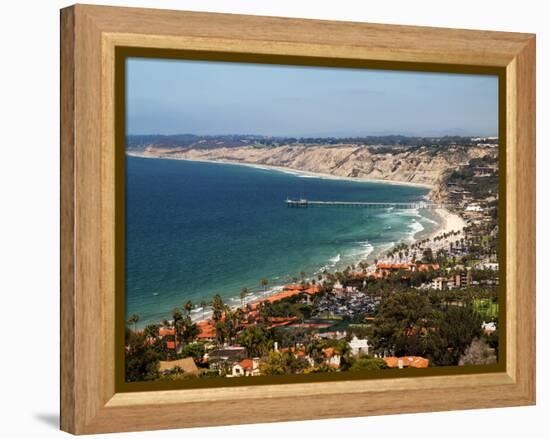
<point>363,204</point>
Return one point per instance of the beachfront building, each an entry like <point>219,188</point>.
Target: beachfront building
<point>359,346</point>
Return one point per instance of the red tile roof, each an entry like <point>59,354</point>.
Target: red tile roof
<point>163,332</point>
<point>247,364</point>
<point>416,362</point>
<point>207,329</point>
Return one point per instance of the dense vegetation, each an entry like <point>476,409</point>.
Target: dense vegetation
<point>235,140</point>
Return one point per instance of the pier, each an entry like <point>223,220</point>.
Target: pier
<point>363,204</point>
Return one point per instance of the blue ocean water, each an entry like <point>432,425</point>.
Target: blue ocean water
<point>196,229</point>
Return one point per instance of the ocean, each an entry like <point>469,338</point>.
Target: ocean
<point>194,229</point>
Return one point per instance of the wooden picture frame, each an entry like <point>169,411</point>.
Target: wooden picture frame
<point>90,36</point>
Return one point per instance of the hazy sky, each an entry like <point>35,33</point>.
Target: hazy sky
<point>175,97</point>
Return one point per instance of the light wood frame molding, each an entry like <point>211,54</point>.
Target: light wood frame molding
<point>89,36</point>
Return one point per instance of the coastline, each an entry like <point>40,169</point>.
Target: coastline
<point>446,222</point>
<point>450,222</point>
<point>287,170</point>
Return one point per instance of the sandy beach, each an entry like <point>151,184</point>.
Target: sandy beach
<point>449,222</point>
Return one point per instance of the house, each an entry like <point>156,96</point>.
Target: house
<point>332,358</point>
<point>187,365</point>
<point>246,367</point>
<point>359,346</point>
<point>401,362</point>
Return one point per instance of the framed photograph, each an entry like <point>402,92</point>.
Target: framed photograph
<point>295,219</point>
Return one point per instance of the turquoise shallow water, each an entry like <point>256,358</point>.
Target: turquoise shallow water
<point>196,229</point>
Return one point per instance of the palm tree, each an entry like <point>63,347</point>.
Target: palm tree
<point>264,282</point>
<point>132,320</point>
<point>151,331</point>
<point>188,306</point>
<point>217,308</point>
<point>244,293</point>
<point>177,319</point>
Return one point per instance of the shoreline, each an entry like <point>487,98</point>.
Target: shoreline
<point>284,169</point>
<point>446,222</point>
<point>450,221</point>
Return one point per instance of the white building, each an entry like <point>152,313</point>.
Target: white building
<point>359,346</point>
<point>473,208</point>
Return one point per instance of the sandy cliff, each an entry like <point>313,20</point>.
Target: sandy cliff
<point>421,165</point>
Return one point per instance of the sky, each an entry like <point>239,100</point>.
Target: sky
<point>210,98</point>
